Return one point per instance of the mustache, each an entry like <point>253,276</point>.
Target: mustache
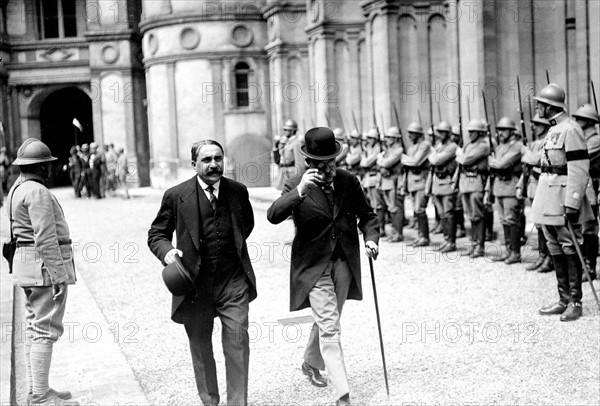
<point>215,172</point>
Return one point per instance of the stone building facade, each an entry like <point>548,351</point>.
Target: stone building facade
<point>156,75</point>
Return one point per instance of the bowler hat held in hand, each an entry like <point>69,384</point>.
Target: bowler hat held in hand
<point>178,279</point>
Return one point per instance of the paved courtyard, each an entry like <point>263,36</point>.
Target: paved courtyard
<point>456,331</point>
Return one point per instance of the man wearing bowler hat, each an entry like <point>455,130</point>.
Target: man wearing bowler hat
<point>325,203</point>
<point>209,272</point>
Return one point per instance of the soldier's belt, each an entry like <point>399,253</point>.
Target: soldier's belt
<point>32,243</point>
<point>474,173</point>
<point>556,169</point>
<point>416,171</point>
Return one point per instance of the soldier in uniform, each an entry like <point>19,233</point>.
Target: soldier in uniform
<point>291,161</point>
<point>459,212</point>
<point>444,196</point>
<point>98,170</point>
<point>86,172</point>
<point>389,164</point>
<point>340,136</point>
<point>532,156</point>
<point>475,170</point>
<point>368,163</point>
<point>354,155</point>
<point>561,197</point>
<point>417,167</point>
<point>587,118</point>
<point>506,166</point>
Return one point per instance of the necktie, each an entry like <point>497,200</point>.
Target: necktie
<point>212,198</point>
<point>328,190</point>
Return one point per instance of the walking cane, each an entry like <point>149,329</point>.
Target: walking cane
<point>583,263</point>
<point>387,387</point>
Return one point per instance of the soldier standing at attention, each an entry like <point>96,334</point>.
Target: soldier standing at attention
<point>389,164</point>
<point>561,197</point>
<point>507,168</point>
<point>354,154</point>
<point>368,163</point>
<point>415,160</point>
<point>587,118</point>
<point>340,136</point>
<point>444,195</point>
<point>532,156</point>
<point>474,161</point>
<point>291,162</point>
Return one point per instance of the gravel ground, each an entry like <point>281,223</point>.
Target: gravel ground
<point>456,331</point>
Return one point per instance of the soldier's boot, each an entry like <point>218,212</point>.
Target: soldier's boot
<point>460,223</point>
<point>381,221</point>
<point>473,237</point>
<point>543,252</point>
<point>479,240</point>
<point>561,268</point>
<point>444,224</point>
<point>574,311</point>
<point>523,228</point>
<point>590,252</point>
<point>41,359</point>
<point>397,226</point>
<point>515,245</point>
<point>488,221</point>
<point>451,230</point>
<point>423,240</point>
<point>507,240</point>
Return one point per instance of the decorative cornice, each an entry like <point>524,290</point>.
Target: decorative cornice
<point>282,48</point>
<point>179,18</point>
<point>275,8</point>
<point>330,28</point>
<point>15,66</point>
<point>380,7</point>
<point>117,35</point>
<point>48,44</point>
<point>148,62</point>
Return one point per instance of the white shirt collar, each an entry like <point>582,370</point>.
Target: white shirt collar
<point>204,185</point>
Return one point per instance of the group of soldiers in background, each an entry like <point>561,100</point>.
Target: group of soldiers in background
<point>500,172</point>
<point>94,172</point>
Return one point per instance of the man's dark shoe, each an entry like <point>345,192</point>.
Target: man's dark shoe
<point>556,308</point>
<point>449,247</point>
<point>51,399</point>
<point>343,401</point>
<point>514,258</point>
<point>421,242</point>
<point>572,313</point>
<point>314,376</point>
<point>536,264</point>
<point>65,395</point>
<point>547,265</point>
<point>396,238</point>
<point>503,257</point>
<point>478,252</point>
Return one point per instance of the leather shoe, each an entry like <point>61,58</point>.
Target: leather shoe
<point>536,264</point>
<point>421,242</point>
<point>65,395</point>
<point>397,238</point>
<point>478,252</point>
<point>343,401</point>
<point>514,258</point>
<point>547,265</point>
<point>450,247</point>
<point>556,308</point>
<point>51,399</point>
<point>314,376</point>
<point>573,312</point>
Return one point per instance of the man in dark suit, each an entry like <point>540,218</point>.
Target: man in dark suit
<point>212,218</point>
<point>325,203</point>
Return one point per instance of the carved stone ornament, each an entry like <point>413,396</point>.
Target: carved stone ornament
<point>189,38</point>
<point>110,53</point>
<point>241,35</point>
<point>152,44</point>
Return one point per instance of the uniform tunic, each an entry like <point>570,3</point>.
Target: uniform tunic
<point>473,177</point>
<point>417,167</point>
<point>443,160</point>
<point>390,166</point>
<point>507,167</point>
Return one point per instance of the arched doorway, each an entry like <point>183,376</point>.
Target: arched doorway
<point>58,132</point>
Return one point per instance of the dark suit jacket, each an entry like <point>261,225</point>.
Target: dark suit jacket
<point>318,229</point>
<point>180,212</point>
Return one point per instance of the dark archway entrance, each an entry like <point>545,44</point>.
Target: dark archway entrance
<point>59,133</point>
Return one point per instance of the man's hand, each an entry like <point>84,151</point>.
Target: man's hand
<point>372,249</point>
<point>170,257</point>
<point>310,178</point>
<point>519,193</point>
<point>571,215</point>
<point>59,291</point>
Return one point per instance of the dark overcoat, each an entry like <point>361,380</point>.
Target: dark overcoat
<point>180,213</point>
<point>319,228</point>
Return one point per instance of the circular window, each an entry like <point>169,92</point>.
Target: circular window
<point>110,53</point>
<point>189,38</point>
<point>241,35</point>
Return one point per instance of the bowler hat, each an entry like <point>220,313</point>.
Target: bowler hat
<point>177,278</point>
<point>320,144</point>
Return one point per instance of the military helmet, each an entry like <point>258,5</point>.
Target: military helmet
<point>339,134</point>
<point>33,151</point>
<point>553,95</point>
<point>538,120</point>
<point>372,133</point>
<point>443,126</point>
<point>354,134</point>
<point>415,127</point>
<point>85,147</point>
<point>455,130</point>
<point>506,123</point>
<point>477,124</point>
<point>392,132</point>
<point>587,112</point>
<point>290,125</point>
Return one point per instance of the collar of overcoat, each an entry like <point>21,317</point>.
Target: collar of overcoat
<point>317,195</point>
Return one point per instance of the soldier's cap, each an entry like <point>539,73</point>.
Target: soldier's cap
<point>415,128</point>
<point>477,125</point>
<point>177,278</point>
<point>354,134</point>
<point>538,120</point>
<point>443,126</point>
<point>33,151</point>
<point>392,132</point>
<point>339,134</point>
<point>455,130</point>
<point>373,133</point>
<point>587,112</point>
<point>552,95</point>
<point>320,144</point>
<point>506,123</point>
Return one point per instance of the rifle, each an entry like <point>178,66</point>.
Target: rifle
<point>439,111</point>
<point>458,170</point>
<point>547,76</point>
<point>327,119</point>
<point>404,150</point>
<point>491,197</point>
<point>521,113</point>
<point>355,122</point>
<point>594,94</point>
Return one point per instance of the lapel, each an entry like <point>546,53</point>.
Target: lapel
<point>317,195</point>
<point>235,208</point>
<point>190,210</point>
<point>339,193</point>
